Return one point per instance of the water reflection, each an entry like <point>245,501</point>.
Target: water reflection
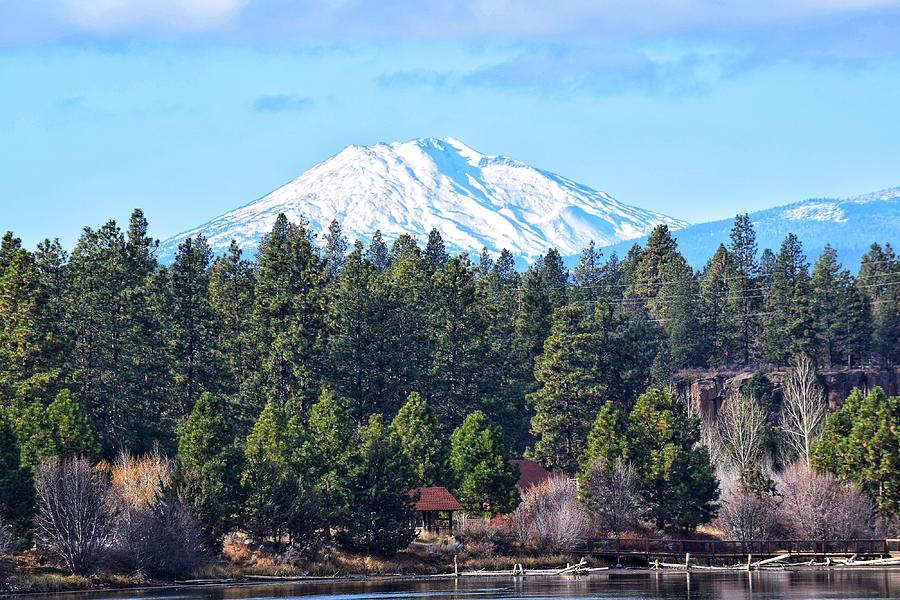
<point>808,585</point>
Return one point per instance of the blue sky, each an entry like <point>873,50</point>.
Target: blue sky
<point>187,108</point>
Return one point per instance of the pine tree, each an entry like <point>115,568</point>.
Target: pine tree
<point>193,320</point>
<point>679,487</point>
<point>9,245</point>
<point>502,392</point>
<point>16,489</point>
<point>379,518</point>
<point>555,277</point>
<point>327,452</point>
<point>860,443</point>
<point>485,263</point>
<point>335,250</point>
<point>288,315</point>
<point>377,254</point>
<point>680,310</point>
<point>209,467</point>
<point>26,338</point>
<point>265,480</point>
<point>840,312</point>
<point>359,332</point>
<point>744,297</point>
<point>588,276</point>
<point>423,442</point>
<point>478,457</point>
<point>607,438</point>
<point>788,325</point>
<point>435,251</point>
<point>571,390</point>
<point>722,320</point>
<point>75,438</point>
<point>50,260</point>
<point>455,324</point>
<point>231,299</point>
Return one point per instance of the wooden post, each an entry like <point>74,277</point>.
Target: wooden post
<point>749,560</point>
<point>687,561</point>
<point>455,566</point>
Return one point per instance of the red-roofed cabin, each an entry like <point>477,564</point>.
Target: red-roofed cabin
<point>434,508</point>
<point>530,473</point>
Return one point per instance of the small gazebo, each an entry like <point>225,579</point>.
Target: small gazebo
<point>434,508</point>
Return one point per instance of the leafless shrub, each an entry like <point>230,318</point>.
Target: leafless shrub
<point>610,496</point>
<point>803,410</point>
<point>160,540</point>
<point>155,534</point>
<point>749,515</point>
<point>6,549</point>
<point>817,506</point>
<point>479,536</point>
<point>73,512</point>
<point>549,518</point>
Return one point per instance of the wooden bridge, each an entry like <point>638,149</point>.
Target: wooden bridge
<point>730,549</point>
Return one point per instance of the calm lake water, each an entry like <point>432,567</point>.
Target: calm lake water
<point>625,586</point>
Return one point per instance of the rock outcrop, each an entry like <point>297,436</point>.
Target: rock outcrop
<point>709,389</point>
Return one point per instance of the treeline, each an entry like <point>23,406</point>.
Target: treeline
<point>105,350</point>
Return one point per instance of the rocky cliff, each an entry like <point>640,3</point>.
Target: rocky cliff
<point>708,389</point>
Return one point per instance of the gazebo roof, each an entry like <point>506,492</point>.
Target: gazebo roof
<point>434,498</point>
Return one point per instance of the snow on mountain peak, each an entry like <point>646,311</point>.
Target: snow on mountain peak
<point>473,199</point>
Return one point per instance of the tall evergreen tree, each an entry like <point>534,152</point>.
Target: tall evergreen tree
<point>9,245</point>
<point>456,360</point>
<point>571,390</point>
<point>478,457</point>
<point>377,253</point>
<point>209,467</point>
<point>788,324</point>
<point>379,517</point>
<point>435,251</point>
<point>193,319</point>
<point>744,294</point>
<point>840,312</point>
<point>231,300</point>
<point>423,441</point>
<point>359,332</point>
<point>861,444</point>
<point>27,368</point>
<point>722,319</point>
<point>588,276</point>
<point>288,315</point>
<point>335,250</point>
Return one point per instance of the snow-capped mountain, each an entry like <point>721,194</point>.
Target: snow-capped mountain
<point>473,199</point>
<point>849,225</point>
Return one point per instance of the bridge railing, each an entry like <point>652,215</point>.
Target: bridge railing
<point>737,547</point>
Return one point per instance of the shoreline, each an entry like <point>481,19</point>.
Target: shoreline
<point>259,580</point>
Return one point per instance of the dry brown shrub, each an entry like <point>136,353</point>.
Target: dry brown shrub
<point>549,518</point>
<point>818,506</point>
<point>156,534</point>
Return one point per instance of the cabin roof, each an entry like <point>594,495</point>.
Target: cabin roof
<point>434,499</point>
<point>530,473</point>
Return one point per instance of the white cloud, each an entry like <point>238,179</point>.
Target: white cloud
<point>105,15</point>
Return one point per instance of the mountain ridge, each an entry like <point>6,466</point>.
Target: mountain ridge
<point>850,225</point>
<point>473,199</point>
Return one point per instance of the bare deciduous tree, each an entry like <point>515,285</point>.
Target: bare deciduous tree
<point>803,409</point>
<point>549,517</point>
<point>817,506</point>
<point>739,433</point>
<point>73,512</point>
<point>610,494</point>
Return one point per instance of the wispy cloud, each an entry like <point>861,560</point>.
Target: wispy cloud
<point>273,103</point>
